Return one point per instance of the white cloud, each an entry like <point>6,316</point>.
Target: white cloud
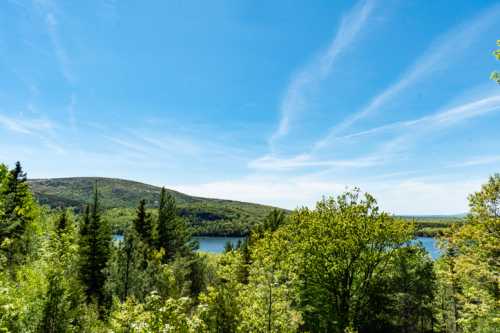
<point>295,98</point>
<point>398,197</point>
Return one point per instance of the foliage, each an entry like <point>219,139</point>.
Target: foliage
<point>496,75</point>
<point>204,216</point>
<point>469,272</point>
<point>344,266</point>
<point>335,253</point>
<point>95,250</point>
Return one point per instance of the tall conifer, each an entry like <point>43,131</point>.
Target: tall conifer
<point>95,250</point>
<point>143,224</point>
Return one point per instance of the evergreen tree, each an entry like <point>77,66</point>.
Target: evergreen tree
<point>171,231</point>
<point>62,223</point>
<point>18,210</point>
<point>95,251</point>
<point>62,300</point>
<point>127,267</point>
<point>16,203</point>
<point>53,314</point>
<point>166,224</point>
<point>246,260</point>
<point>143,224</point>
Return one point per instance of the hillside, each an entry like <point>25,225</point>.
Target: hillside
<point>120,197</point>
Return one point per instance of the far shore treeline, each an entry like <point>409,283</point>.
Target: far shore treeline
<point>344,266</point>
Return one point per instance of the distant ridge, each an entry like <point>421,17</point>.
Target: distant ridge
<point>75,192</point>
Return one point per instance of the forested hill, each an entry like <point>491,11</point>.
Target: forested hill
<point>120,197</point>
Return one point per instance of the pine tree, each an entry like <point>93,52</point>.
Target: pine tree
<point>95,250</point>
<point>143,224</point>
<point>166,224</point>
<point>172,232</point>
<point>62,223</point>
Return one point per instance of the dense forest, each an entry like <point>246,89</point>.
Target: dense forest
<point>119,198</point>
<point>344,266</point>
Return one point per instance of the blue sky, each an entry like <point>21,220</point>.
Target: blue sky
<point>276,102</point>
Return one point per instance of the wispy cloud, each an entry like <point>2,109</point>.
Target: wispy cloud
<point>25,126</point>
<point>49,11</point>
<point>441,52</point>
<point>404,133</point>
<point>443,118</point>
<point>475,161</point>
<point>72,111</point>
<point>295,98</point>
<point>272,163</point>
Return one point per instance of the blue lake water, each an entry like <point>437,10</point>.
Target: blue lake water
<point>430,244</point>
<point>216,244</point>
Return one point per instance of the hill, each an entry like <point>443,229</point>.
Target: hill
<point>120,198</point>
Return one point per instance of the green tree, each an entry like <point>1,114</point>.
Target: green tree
<point>18,211</point>
<point>469,271</point>
<point>228,247</point>
<point>95,250</point>
<point>127,266</point>
<point>401,297</point>
<point>272,222</point>
<point>334,254</point>
<point>267,297</point>
<point>143,223</point>
<point>166,223</point>
<point>220,300</point>
<point>172,231</point>
<point>63,296</point>
<point>496,75</point>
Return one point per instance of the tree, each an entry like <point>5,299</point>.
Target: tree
<point>496,75</point>
<point>165,227</point>
<point>400,298</point>
<point>272,222</point>
<point>469,271</point>
<point>18,211</point>
<point>333,255</point>
<point>95,242</point>
<point>143,224</point>
<point>63,296</point>
<point>172,232</point>
<point>267,297</point>
<point>228,247</point>
<point>127,266</point>
<point>220,299</point>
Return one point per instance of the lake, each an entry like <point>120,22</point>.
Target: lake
<point>430,244</point>
<point>215,244</point>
